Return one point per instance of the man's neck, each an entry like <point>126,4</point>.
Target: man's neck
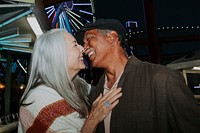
<point>114,70</point>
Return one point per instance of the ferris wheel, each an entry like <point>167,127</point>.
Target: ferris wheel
<point>71,15</point>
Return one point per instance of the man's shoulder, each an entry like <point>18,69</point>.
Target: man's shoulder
<point>137,66</point>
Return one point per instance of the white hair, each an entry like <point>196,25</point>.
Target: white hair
<point>49,67</point>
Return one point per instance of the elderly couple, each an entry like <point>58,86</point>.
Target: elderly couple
<point>132,96</point>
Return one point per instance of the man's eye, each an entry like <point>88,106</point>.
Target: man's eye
<point>89,38</point>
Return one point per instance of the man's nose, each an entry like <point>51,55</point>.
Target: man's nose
<point>85,45</point>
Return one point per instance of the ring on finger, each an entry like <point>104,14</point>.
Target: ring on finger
<point>107,104</point>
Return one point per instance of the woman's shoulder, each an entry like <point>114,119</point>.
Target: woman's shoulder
<point>42,95</point>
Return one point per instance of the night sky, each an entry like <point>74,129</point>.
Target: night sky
<point>168,12</point>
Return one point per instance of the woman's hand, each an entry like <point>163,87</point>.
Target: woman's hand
<point>104,104</point>
<point>101,108</point>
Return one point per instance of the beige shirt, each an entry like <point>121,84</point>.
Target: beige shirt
<point>106,89</point>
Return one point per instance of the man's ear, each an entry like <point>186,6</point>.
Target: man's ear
<point>112,37</point>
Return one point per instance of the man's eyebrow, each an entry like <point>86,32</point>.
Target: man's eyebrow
<point>86,36</point>
<point>89,35</point>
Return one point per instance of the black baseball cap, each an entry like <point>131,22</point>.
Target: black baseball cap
<point>105,24</point>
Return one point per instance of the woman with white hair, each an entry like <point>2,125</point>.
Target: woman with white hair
<point>55,99</point>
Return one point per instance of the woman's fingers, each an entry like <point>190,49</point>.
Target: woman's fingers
<point>112,95</point>
<point>113,104</point>
<point>105,103</point>
<point>98,98</point>
<point>114,98</point>
<point>109,100</point>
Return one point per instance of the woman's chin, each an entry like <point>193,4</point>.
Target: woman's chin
<point>83,66</point>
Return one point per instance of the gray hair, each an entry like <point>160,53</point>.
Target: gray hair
<point>104,32</point>
<point>49,67</point>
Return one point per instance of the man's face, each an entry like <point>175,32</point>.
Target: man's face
<point>96,47</point>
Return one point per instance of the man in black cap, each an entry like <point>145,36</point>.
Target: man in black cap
<point>155,99</point>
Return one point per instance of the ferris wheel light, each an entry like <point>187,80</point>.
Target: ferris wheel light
<point>65,15</point>
<point>82,4</point>
<point>89,13</point>
<point>47,8</point>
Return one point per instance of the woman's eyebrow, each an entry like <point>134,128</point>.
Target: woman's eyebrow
<point>74,41</point>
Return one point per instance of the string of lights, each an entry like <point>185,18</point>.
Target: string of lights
<point>163,29</point>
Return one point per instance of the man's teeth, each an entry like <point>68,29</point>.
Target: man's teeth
<point>90,53</point>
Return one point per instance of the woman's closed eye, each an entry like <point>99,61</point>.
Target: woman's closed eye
<point>75,43</point>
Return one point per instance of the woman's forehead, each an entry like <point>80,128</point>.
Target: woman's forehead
<point>69,36</point>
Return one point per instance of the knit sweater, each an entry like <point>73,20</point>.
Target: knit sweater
<point>49,112</point>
